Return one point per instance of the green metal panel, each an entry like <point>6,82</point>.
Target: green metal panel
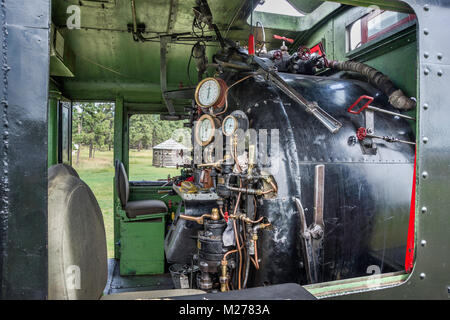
<point>118,155</point>
<point>54,96</point>
<point>142,246</point>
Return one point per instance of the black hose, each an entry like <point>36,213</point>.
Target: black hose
<point>396,97</point>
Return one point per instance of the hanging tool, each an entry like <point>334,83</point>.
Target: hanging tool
<point>312,236</point>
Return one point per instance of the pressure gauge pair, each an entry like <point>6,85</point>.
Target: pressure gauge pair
<point>211,93</point>
<point>206,126</point>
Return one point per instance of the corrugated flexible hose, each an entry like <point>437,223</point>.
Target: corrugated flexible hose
<point>396,97</point>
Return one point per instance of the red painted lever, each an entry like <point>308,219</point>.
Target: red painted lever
<point>283,38</point>
<point>365,106</point>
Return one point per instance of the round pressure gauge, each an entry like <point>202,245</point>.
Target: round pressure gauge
<point>237,120</point>
<point>210,92</point>
<point>204,130</point>
<point>229,125</point>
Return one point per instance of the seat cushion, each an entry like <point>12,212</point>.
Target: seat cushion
<point>60,170</point>
<point>142,207</point>
<point>149,295</point>
<point>77,256</point>
<point>122,184</point>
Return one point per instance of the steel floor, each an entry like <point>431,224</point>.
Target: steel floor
<point>117,283</point>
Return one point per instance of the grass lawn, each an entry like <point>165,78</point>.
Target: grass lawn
<point>98,173</point>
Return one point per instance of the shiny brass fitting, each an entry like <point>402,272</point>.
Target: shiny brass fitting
<point>255,237</point>
<point>223,279</point>
<point>215,214</point>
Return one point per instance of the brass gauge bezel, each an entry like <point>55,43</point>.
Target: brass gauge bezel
<point>197,128</point>
<point>220,101</point>
<point>236,125</point>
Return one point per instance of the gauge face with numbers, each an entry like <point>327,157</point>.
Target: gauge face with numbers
<point>204,130</point>
<point>208,92</point>
<point>229,126</point>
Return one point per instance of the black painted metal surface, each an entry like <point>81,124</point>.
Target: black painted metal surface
<point>180,243</point>
<point>367,197</point>
<point>23,151</point>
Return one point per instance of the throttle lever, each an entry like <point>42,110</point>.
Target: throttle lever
<point>327,120</point>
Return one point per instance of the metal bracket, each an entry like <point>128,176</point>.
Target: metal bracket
<point>312,236</point>
<point>163,74</point>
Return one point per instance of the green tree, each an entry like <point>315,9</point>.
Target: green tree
<point>92,126</point>
<point>147,130</point>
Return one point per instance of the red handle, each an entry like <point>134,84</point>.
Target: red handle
<point>251,44</point>
<point>369,101</point>
<point>283,38</point>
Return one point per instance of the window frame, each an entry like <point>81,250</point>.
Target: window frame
<point>64,105</point>
<point>367,40</point>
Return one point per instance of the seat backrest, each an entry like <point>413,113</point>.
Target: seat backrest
<point>77,255</point>
<point>122,184</point>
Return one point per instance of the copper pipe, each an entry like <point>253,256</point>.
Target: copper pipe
<point>227,254</point>
<point>226,93</point>
<point>274,187</point>
<point>240,254</point>
<point>256,254</point>
<point>221,212</point>
<point>236,237</point>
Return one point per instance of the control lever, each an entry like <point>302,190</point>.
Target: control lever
<point>369,107</point>
<point>283,38</point>
<point>363,133</point>
<point>312,236</point>
<point>368,131</point>
<point>311,107</point>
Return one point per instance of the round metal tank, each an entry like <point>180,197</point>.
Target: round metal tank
<point>367,197</point>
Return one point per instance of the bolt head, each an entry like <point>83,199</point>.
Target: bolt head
<point>423,243</point>
<point>424,209</point>
<point>425,139</point>
<point>425,175</point>
<point>422,276</point>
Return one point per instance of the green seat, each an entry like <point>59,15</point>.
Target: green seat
<point>133,209</point>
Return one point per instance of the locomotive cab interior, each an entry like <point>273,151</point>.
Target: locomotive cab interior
<point>301,130</point>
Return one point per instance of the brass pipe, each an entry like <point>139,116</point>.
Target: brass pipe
<point>213,216</point>
<point>224,277</point>
<point>246,219</point>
